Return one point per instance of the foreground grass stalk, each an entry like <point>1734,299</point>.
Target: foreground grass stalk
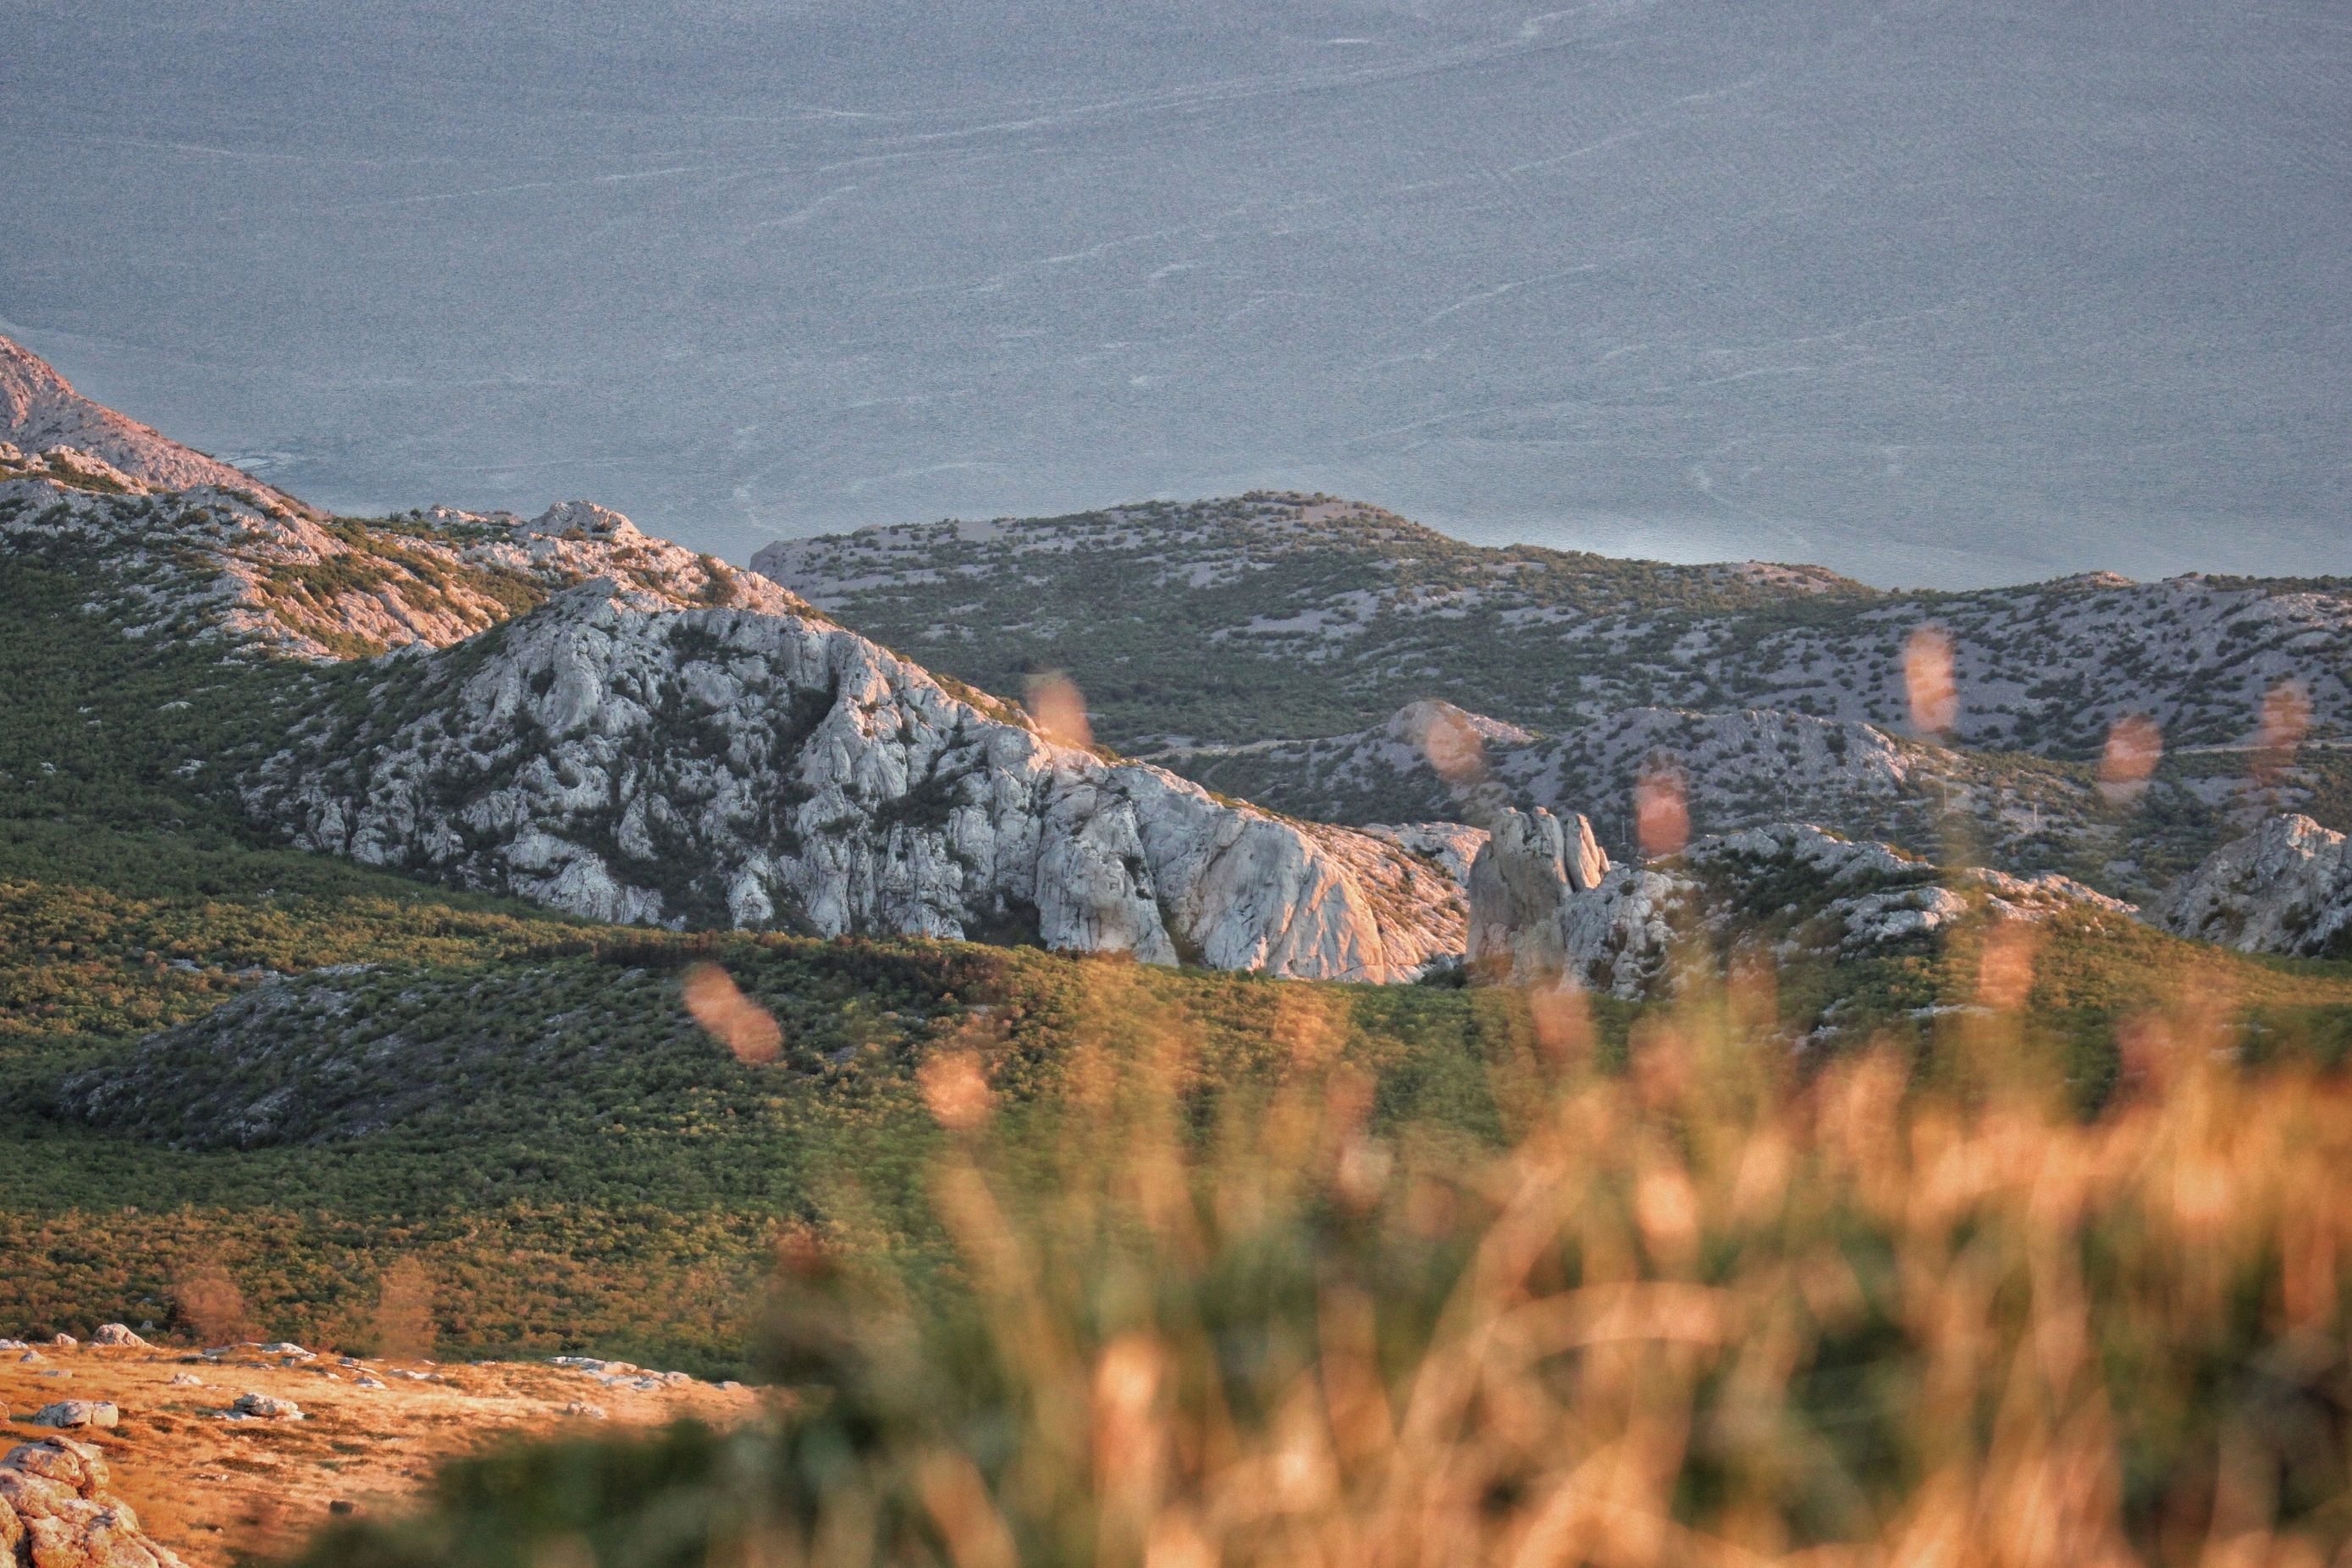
<point>1716,1306</point>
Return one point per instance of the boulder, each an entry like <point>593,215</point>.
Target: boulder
<point>117,1335</point>
<point>56,1512</point>
<point>263,1407</point>
<point>1517,885</point>
<point>1546,904</point>
<point>78,1412</point>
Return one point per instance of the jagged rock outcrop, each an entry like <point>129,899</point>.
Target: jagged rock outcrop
<point>1546,905</point>
<point>614,756</point>
<point>2286,887</point>
<point>1536,914</point>
<point>56,1513</point>
<point>39,411</point>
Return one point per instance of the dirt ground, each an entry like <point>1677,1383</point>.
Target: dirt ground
<point>214,1490</point>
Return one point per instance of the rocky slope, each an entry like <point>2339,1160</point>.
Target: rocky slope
<point>611,755</point>
<point>40,412</point>
<point>2285,887</point>
<point>218,562</point>
<point>1745,768</point>
<point>1263,644</point>
<point>681,742</point>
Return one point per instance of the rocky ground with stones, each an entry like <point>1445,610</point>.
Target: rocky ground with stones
<point>232,1453</point>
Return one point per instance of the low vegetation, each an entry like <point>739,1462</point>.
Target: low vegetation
<point>1702,1304</point>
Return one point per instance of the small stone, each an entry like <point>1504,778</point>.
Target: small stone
<point>65,1341</point>
<point>186,1379</point>
<point>265,1407</point>
<point>584,1410</point>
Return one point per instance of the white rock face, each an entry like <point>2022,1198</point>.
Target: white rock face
<point>1452,845</point>
<point>2286,887</point>
<point>615,756</point>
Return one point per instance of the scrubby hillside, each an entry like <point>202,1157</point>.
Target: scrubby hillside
<point>674,741</point>
<point>1278,645</point>
<point>1318,616</point>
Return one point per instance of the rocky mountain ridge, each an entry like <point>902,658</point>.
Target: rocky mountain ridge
<point>224,563</point>
<point>616,727</point>
<point>579,714</point>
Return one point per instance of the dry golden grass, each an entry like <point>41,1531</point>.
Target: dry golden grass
<point>219,1492</point>
<point>1719,1307</point>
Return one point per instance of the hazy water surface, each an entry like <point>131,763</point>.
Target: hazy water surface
<point>1941,292</point>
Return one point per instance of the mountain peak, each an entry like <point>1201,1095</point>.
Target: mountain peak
<point>40,412</point>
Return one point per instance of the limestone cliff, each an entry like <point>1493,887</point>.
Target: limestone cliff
<point>2286,887</point>
<point>612,755</point>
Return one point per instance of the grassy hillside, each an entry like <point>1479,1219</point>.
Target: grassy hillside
<point>519,1102</point>
<point>498,1085</point>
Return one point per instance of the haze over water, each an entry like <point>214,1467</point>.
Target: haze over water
<point>1946,293</point>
